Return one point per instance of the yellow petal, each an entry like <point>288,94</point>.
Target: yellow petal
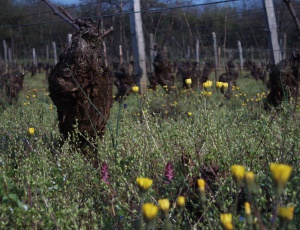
<point>149,211</point>
<point>281,173</point>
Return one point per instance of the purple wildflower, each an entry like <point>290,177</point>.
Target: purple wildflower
<point>169,172</point>
<point>104,173</point>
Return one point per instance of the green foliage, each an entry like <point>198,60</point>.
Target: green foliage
<point>44,186</point>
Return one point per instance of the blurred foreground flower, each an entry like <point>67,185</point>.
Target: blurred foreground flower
<point>144,183</point>
<point>164,205</point>
<point>181,202</point>
<point>247,208</point>
<point>238,172</point>
<point>286,213</point>
<point>226,221</point>
<point>250,182</point>
<point>201,185</point>
<point>31,131</point>
<point>281,173</point>
<point>135,89</point>
<point>149,211</point>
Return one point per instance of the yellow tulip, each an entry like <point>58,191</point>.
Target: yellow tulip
<point>201,184</point>
<point>188,81</point>
<point>149,211</point>
<point>226,220</point>
<point>219,84</point>
<point>31,131</point>
<point>286,213</point>
<point>247,208</point>
<point>164,204</point>
<point>181,201</point>
<point>144,183</point>
<point>135,89</point>
<point>238,172</point>
<point>280,173</point>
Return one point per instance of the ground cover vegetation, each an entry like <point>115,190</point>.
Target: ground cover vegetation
<point>174,139</point>
<point>214,147</point>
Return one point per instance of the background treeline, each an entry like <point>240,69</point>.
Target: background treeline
<point>27,24</point>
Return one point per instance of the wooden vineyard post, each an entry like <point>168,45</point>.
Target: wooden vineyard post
<point>34,59</point>
<point>120,54</point>
<point>215,55</point>
<point>241,55</point>
<point>54,52</point>
<point>69,39</point>
<point>138,45</point>
<point>271,19</point>
<point>104,54</point>
<point>219,57</point>
<point>284,46</point>
<point>197,51</point>
<point>5,55</point>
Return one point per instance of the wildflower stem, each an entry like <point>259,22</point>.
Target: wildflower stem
<point>274,212</point>
<point>236,198</point>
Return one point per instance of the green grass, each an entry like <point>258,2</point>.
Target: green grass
<point>46,187</point>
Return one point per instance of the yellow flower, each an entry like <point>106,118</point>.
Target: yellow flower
<point>144,183</point>
<point>51,107</point>
<point>225,85</point>
<point>181,201</point>
<point>207,93</point>
<point>164,204</point>
<point>188,81</point>
<point>249,177</point>
<point>226,220</point>
<point>165,86</point>
<point>31,131</point>
<point>149,211</point>
<point>281,173</point>
<point>219,84</point>
<point>286,213</point>
<point>33,96</point>
<point>238,172</point>
<point>247,208</point>
<point>189,114</point>
<point>135,89</point>
<point>207,84</point>
<point>201,184</point>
